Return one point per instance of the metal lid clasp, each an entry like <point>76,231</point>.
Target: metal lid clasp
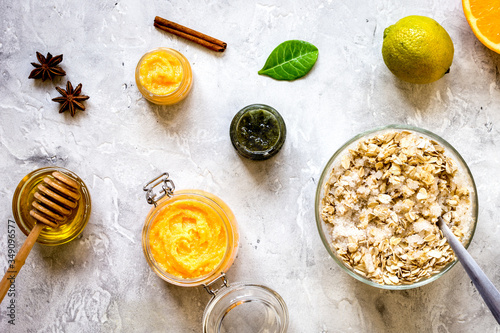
<point>213,290</point>
<point>167,188</point>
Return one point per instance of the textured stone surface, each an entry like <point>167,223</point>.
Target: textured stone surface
<point>101,282</point>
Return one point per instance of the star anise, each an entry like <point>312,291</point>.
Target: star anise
<point>71,99</point>
<point>47,67</point>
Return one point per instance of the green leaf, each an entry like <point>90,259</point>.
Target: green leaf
<point>290,60</point>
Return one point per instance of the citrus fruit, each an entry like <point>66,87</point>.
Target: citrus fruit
<point>417,49</point>
<point>484,19</point>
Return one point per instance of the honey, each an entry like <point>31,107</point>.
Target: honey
<point>22,204</point>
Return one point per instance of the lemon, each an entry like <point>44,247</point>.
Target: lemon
<point>417,49</point>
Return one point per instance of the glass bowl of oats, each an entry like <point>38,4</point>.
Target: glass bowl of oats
<point>378,201</point>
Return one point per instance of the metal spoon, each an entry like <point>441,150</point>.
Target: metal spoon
<point>487,290</point>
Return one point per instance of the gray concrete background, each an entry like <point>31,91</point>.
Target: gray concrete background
<point>101,282</point>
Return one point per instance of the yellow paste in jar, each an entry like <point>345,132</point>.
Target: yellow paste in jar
<point>188,239</point>
<point>161,72</point>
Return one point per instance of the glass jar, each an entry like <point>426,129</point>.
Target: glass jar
<point>160,61</point>
<point>325,229</point>
<point>22,202</point>
<point>245,308</point>
<point>223,213</point>
<point>253,308</point>
<point>257,132</point>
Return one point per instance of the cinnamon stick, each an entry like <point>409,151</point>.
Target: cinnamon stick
<point>190,34</point>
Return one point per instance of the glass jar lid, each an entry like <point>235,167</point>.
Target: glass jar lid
<point>245,308</point>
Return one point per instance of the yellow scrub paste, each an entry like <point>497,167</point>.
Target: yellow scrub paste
<point>188,239</point>
<point>160,72</point>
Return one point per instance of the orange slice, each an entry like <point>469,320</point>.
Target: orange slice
<point>484,19</point>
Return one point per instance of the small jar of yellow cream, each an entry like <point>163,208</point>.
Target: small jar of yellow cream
<point>190,238</point>
<point>164,76</point>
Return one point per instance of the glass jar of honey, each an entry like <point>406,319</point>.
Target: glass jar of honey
<point>190,238</point>
<point>24,196</point>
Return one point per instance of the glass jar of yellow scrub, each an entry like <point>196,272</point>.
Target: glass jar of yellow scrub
<point>190,238</point>
<point>24,196</point>
<point>164,76</point>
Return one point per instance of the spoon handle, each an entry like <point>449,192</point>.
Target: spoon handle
<point>487,290</point>
<point>19,260</point>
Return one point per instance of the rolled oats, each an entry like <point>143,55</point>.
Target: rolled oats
<point>383,201</point>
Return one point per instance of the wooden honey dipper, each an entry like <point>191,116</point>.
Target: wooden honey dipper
<point>55,199</point>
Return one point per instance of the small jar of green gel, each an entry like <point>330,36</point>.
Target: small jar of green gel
<point>257,132</point>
